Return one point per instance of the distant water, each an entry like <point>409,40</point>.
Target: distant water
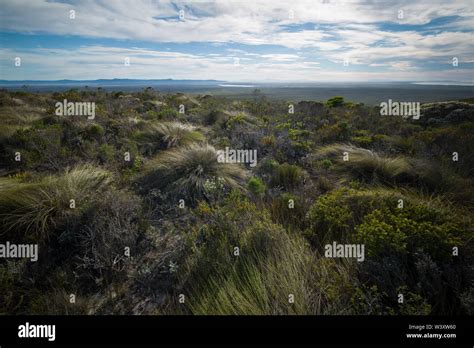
<point>367,93</point>
<point>242,86</point>
<point>445,83</point>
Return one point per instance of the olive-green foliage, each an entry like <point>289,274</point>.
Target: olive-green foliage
<point>287,176</point>
<point>289,210</point>
<point>106,153</point>
<point>404,236</point>
<point>410,229</point>
<point>95,131</point>
<point>368,216</point>
<point>39,146</point>
<point>335,101</point>
<point>256,186</point>
<point>408,248</point>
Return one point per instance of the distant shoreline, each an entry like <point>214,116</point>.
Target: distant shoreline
<point>367,93</point>
<point>469,84</point>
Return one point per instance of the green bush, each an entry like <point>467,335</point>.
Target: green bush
<point>330,218</point>
<point>410,229</point>
<point>95,131</point>
<point>106,153</point>
<point>335,102</point>
<point>256,186</point>
<point>364,141</point>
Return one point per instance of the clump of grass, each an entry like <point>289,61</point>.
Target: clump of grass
<point>37,208</point>
<point>184,171</point>
<point>273,268</point>
<point>287,176</point>
<point>167,135</point>
<point>368,165</point>
<point>177,134</point>
<point>259,284</point>
<point>372,167</point>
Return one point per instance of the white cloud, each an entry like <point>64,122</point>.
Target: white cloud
<point>342,29</point>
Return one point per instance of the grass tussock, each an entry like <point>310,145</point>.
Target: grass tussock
<point>173,134</point>
<point>187,172</point>
<point>38,207</point>
<point>367,164</point>
<point>274,273</point>
<point>374,168</point>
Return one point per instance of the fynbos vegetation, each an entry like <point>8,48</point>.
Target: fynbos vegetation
<point>234,206</point>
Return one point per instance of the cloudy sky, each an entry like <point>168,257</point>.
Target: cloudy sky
<point>251,41</point>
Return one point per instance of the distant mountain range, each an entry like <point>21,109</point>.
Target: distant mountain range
<point>109,82</point>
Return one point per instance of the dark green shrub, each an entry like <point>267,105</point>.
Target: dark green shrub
<point>95,131</point>
<point>256,186</point>
<point>289,211</point>
<point>335,101</point>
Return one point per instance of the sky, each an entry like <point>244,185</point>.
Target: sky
<point>239,41</point>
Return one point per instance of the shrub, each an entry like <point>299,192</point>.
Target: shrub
<point>409,229</point>
<point>109,226</point>
<point>326,163</point>
<point>335,102</point>
<point>289,211</point>
<point>233,121</point>
<point>212,117</point>
<point>267,166</point>
<point>398,242</point>
<point>106,153</point>
<point>330,218</point>
<point>268,140</point>
<point>364,141</point>
<point>40,147</point>
<point>95,131</point>
<point>256,186</point>
<point>184,171</point>
<point>168,113</point>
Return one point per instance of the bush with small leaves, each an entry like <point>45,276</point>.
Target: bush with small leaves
<point>256,186</point>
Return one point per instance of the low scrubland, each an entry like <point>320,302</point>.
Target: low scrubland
<point>133,214</point>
